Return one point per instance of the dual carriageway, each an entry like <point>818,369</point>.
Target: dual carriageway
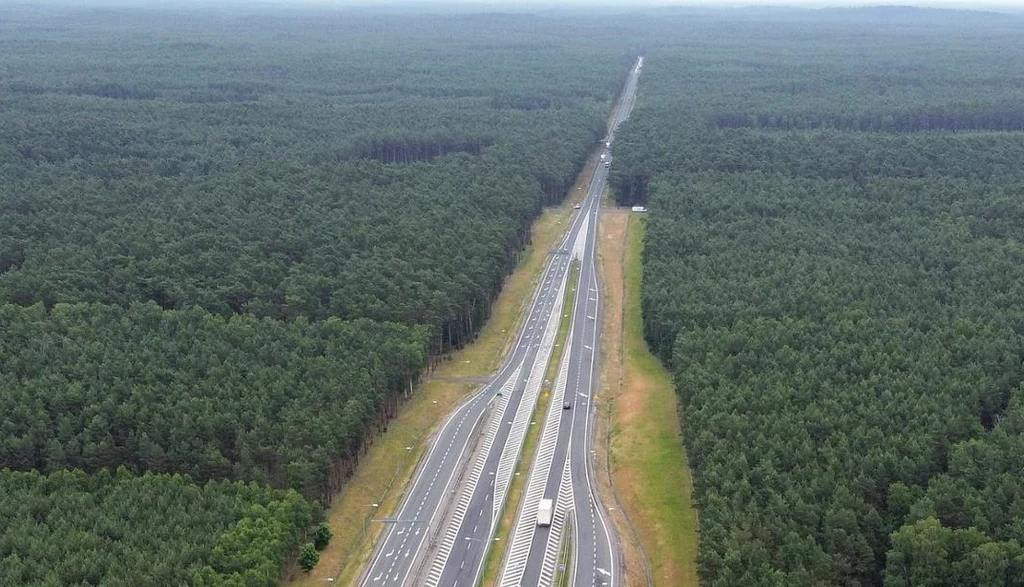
<point>447,521</point>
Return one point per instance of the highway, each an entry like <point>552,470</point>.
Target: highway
<point>532,555</point>
<point>420,519</point>
<point>562,469</point>
<point>447,519</point>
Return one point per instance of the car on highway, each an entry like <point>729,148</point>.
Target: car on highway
<point>575,206</point>
<point>545,511</point>
<point>566,406</point>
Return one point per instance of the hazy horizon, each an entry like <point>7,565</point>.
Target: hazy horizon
<point>527,5</point>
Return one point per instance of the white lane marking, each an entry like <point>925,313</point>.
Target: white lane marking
<point>452,529</point>
<point>563,265</point>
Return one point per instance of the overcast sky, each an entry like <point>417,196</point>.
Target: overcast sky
<point>979,4</point>
<point>1012,5</point>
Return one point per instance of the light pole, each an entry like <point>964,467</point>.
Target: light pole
<point>366,518</point>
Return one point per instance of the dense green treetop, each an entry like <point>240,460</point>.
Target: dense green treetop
<point>94,386</point>
<point>231,242</point>
<point>306,164</point>
<point>832,271</point>
<point>120,530</point>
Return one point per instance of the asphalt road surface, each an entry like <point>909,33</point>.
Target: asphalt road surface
<point>594,556</point>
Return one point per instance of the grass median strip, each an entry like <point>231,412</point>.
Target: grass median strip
<point>563,573</point>
<point>495,555</point>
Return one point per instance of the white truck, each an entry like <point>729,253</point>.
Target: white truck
<point>545,510</point>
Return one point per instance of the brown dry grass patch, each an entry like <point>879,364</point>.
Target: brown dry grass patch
<point>644,451</point>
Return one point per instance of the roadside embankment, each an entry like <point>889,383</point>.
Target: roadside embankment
<point>640,444</point>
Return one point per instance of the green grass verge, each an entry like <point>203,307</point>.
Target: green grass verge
<point>664,514</point>
<point>563,573</point>
<point>492,568</point>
